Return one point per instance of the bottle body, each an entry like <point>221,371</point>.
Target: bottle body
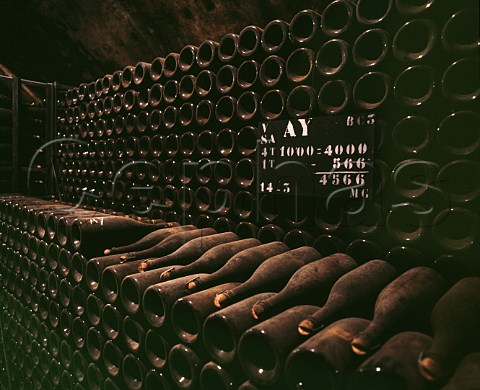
<point>311,283</point>
<point>455,321</point>
<point>272,274</point>
<point>414,291</point>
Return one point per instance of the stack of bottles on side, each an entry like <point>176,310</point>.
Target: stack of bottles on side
<point>176,137</point>
<point>188,307</point>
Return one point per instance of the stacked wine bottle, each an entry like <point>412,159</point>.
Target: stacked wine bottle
<point>193,308</point>
<point>176,138</point>
<point>42,297</point>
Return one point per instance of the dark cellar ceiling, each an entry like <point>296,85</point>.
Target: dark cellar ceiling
<point>81,40</point>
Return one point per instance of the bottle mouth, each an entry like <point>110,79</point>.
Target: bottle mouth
<point>111,321</point>
<point>274,36</point>
<point>370,48</point>
<point>459,180</point>
<point>460,80</point>
<point>459,33</point>
<point>332,57</point>
<point>166,275</point>
<point>249,40</point>
<point>300,101</point>
<point>371,90</point>
<point>153,307</point>
<point>220,339</point>
<point>227,47</point>
<point>94,344</point>
<point>185,321</point>
<point>79,365</point>
<point>225,109</point>
<point>78,299</point>
<point>214,376</point>
<point>170,65</point>
<point>187,58</point>
<point>456,228</point>
<point>130,295</point>
<point>156,69</point>
<point>93,308</point>
<point>65,292</point>
<point>64,262</point>
<point>76,235</point>
<point>300,65</point>
<point>156,349</point>
<point>273,104</point>
<point>259,357</point>
<point>243,206</point>
<point>334,96</point>
<point>271,70</point>
<point>94,377</point>
<point>414,40</point>
<point>183,366</point>
<point>415,85</point>
<point>134,334</point>
<point>112,358</point>
<point>372,12</point>
<point>203,199</point>
<point>110,285</point>
<point>337,18</point>
<point>133,372</point>
<point>206,54</point>
<point>226,78</point>
<point>304,26</point>
<point>93,275</point>
<point>309,371</point>
<point>204,112</point>
<point>205,142</point>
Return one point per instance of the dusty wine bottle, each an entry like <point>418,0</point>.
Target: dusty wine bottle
<point>352,289</point>
<point>239,267</point>
<point>86,233</point>
<point>190,251</point>
<point>148,241</point>
<point>113,276</point>
<point>189,312</point>
<point>326,359</point>
<point>311,283</point>
<point>159,298</point>
<point>393,366</point>
<point>271,275</point>
<point>222,330</point>
<point>133,286</point>
<point>415,290</point>
<point>455,322</point>
<point>169,244</point>
<point>211,260</point>
<point>264,347</point>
